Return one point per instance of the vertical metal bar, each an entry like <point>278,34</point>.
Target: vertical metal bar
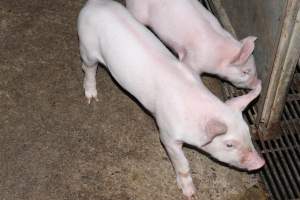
<point>277,191</point>
<point>296,157</point>
<point>269,188</point>
<point>296,128</point>
<point>287,169</point>
<point>297,107</point>
<point>280,173</point>
<point>292,157</point>
<point>296,176</point>
<point>252,118</point>
<point>294,154</point>
<point>292,109</point>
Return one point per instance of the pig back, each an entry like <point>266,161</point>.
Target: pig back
<point>133,55</point>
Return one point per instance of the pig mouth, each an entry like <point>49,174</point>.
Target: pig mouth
<point>256,165</point>
<point>253,83</point>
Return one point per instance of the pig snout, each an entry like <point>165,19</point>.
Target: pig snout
<point>252,161</point>
<point>253,82</point>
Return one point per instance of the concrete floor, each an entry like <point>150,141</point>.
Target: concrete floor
<point>55,146</point>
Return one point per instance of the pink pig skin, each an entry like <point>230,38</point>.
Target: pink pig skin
<point>198,38</point>
<point>184,109</point>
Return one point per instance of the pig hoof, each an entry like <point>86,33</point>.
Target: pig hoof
<point>191,197</point>
<point>185,183</point>
<point>189,192</point>
<point>90,99</point>
<point>91,95</point>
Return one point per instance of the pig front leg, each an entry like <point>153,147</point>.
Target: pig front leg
<point>89,83</point>
<point>181,166</point>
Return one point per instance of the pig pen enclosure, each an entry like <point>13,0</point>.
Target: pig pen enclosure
<point>55,146</point>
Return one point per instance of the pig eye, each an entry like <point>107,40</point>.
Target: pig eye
<point>247,72</point>
<point>229,145</point>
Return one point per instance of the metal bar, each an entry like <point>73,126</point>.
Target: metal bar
<point>295,170</point>
<point>296,80</point>
<point>296,109</point>
<point>250,115</point>
<point>291,133</point>
<point>269,187</point>
<point>293,97</point>
<point>294,154</point>
<point>285,61</point>
<point>287,169</point>
<point>252,118</point>
<point>293,111</point>
<point>269,164</point>
<point>280,149</point>
<point>297,106</point>
<point>294,134</point>
<point>281,173</point>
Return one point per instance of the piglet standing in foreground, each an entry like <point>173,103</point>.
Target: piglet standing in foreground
<point>184,109</point>
<point>198,38</point>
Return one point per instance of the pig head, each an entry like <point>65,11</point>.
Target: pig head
<point>238,66</point>
<point>222,125</point>
<point>235,146</point>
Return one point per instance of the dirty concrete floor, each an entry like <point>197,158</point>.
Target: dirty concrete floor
<point>55,146</point>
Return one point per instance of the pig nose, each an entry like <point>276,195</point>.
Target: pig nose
<point>256,163</point>
<point>253,83</point>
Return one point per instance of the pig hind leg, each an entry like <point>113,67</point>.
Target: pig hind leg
<point>90,55</point>
<point>89,66</point>
<point>89,83</point>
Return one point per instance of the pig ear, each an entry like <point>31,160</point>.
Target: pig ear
<point>215,127</point>
<point>238,103</point>
<point>248,46</point>
<point>241,102</point>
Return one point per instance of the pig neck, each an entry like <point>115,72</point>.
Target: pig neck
<point>199,98</point>
<point>212,51</point>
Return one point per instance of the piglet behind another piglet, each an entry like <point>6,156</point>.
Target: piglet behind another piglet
<point>199,39</point>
